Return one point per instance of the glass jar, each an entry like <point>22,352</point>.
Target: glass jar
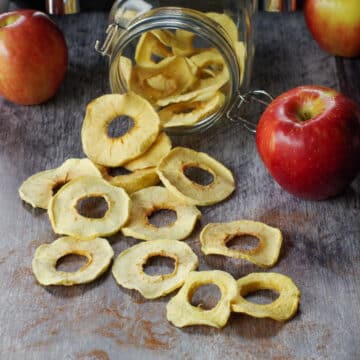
<point>153,46</point>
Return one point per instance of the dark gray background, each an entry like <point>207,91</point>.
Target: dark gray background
<point>101,320</point>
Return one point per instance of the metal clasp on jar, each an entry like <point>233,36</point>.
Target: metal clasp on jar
<point>242,108</point>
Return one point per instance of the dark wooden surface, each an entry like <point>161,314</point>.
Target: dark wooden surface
<point>321,251</point>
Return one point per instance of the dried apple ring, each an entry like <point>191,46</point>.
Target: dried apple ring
<point>189,113</point>
<point>181,42</point>
<point>97,251</point>
<point>145,202</point>
<point>170,77</point>
<point>214,237</point>
<point>148,46</point>
<point>65,218</point>
<point>38,189</point>
<point>203,88</point>
<point>180,311</point>
<point>102,149</point>
<point>283,308</point>
<point>153,156</point>
<point>136,180</point>
<point>128,268</point>
<point>171,173</point>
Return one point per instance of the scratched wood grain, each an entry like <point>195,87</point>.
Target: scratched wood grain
<point>103,321</point>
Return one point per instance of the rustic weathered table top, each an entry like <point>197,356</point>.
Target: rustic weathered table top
<point>321,249</point>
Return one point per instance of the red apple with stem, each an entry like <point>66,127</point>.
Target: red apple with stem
<point>309,140</point>
<point>33,57</point>
<point>335,25</point>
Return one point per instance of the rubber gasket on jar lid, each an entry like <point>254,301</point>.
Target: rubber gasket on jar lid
<point>97,251</point>
<point>171,173</point>
<point>182,313</point>
<point>64,215</point>
<point>214,237</point>
<point>104,150</point>
<point>283,308</point>
<point>128,268</point>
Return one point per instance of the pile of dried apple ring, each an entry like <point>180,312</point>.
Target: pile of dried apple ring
<point>146,152</point>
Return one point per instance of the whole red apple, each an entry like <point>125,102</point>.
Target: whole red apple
<point>33,57</point>
<point>309,140</point>
<point>335,25</point>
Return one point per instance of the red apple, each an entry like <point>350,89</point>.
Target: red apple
<point>33,57</point>
<point>309,140</point>
<point>335,25</point>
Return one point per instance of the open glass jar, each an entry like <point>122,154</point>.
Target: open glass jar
<point>190,59</point>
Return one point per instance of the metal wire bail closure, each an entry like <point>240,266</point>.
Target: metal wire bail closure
<point>239,110</point>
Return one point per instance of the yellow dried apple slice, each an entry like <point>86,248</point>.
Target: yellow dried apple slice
<point>170,77</point>
<point>38,189</point>
<point>180,311</point>
<point>65,218</point>
<point>214,237</point>
<point>148,46</point>
<point>136,180</point>
<point>283,308</point>
<point>97,251</point>
<point>189,113</point>
<point>206,87</point>
<point>184,43</point>
<point>104,150</point>
<point>181,42</point>
<point>171,173</point>
<point>147,201</point>
<point>153,156</point>
<point>128,268</point>
<point>227,24</point>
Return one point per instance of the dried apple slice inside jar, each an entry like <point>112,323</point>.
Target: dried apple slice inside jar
<point>190,113</point>
<point>181,312</point>
<point>149,46</point>
<point>146,202</point>
<point>38,189</point>
<point>171,77</point>
<point>115,151</point>
<point>97,251</point>
<point>227,24</point>
<point>283,308</point>
<point>64,213</point>
<point>214,238</point>
<point>172,172</point>
<point>128,268</point>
